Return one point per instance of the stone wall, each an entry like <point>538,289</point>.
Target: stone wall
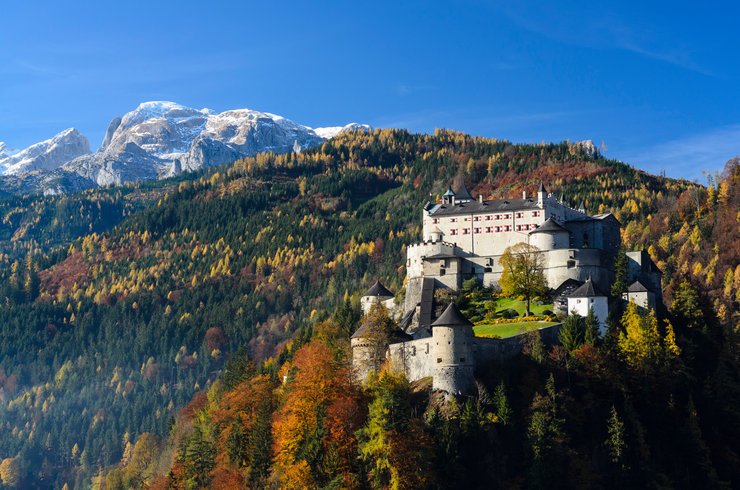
<point>418,358</point>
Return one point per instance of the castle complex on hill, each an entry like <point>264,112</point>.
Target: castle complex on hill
<point>464,238</point>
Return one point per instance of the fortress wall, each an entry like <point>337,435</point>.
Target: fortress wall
<point>414,358</point>
<point>418,358</point>
<point>499,350</point>
<point>413,292</point>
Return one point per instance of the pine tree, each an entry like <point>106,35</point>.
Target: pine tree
<point>615,442</point>
<point>591,328</point>
<point>501,404</point>
<point>571,332</point>
<point>619,286</point>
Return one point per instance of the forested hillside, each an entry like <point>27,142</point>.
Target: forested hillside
<point>221,289</point>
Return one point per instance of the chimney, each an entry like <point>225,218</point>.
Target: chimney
<point>524,194</point>
<point>480,198</point>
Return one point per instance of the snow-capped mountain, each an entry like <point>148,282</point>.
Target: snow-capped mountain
<point>162,139</point>
<point>332,131</point>
<point>5,151</point>
<point>47,155</point>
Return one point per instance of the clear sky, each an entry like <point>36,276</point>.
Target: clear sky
<point>657,82</point>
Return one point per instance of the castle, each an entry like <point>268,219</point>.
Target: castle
<point>464,238</point>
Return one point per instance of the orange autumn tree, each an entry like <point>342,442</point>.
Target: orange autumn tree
<point>314,428</point>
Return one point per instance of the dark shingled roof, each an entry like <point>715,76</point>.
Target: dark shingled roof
<point>377,289</point>
<point>461,192</point>
<point>637,287</point>
<point>484,207</point>
<point>587,290</point>
<point>452,317</point>
<point>549,225</point>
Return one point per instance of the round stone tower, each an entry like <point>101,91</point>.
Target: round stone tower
<point>377,294</point>
<point>452,336</point>
<point>549,236</point>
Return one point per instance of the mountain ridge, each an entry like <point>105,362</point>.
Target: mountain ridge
<point>157,139</point>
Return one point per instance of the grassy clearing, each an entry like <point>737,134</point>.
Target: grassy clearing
<point>505,330</point>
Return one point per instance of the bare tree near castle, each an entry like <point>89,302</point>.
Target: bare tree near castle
<point>522,273</point>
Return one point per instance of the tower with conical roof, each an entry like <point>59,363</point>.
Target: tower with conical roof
<point>377,294</point>
<point>452,337</point>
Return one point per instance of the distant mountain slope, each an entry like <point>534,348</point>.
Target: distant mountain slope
<point>157,139</point>
<point>46,155</point>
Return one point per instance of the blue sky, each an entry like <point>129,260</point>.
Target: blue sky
<point>657,82</point>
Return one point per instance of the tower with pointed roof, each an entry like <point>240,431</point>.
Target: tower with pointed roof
<point>377,294</point>
<point>588,297</point>
<point>452,338</point>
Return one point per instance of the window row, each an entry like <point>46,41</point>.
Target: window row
<point>490,217</point>
<point>492,229</point>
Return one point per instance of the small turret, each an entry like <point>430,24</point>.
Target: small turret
<point>452,335</point>
<point>436,235</point>
<point>377,294</point>
<point>541,195</point>
<point>449,196</point>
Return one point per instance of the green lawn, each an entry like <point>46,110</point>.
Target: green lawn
<point>504,330</point>
<point>520,306</point>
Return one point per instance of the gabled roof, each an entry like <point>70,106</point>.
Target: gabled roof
<point>377,289</point>
<point>452,317</point>
<point>550,225</point>
<point>637,287</point>
<point>587,290</point>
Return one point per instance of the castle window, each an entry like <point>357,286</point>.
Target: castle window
<point>476,230</point>
<point>535,214</point>
<point>439,359</point>
<point>571,264</point>
<point>520,215</point>
<point>507,228</point>
<point>488,218</point>
<point>453,220</point>
<point>507,216</point>
<point>453,231</point>
<point>435,220</point>
<point>427,348</point>
<point>488,229</point>
<point>466,231</point>
<point>413,350</point>
<point>477,218</point>
<point>487,269</point>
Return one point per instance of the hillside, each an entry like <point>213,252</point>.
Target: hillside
<point>124,326</point>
